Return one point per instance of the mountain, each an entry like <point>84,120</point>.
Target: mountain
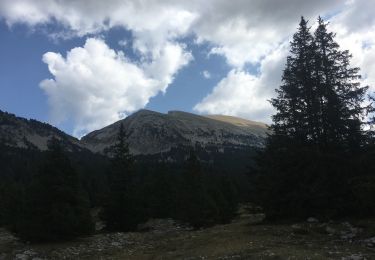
<point>151,133</point>
<point>29,133</point>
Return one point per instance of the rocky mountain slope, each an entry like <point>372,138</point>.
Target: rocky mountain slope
<point>151,132</point>
<point>148,132</point>
<point>23,133</point>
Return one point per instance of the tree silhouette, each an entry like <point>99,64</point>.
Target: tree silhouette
<point>294,103</point>
<point>340,94</point>
<point>55,208</point>
<point>317,132</point>
<point>320,102</point>
<point>196,206</point>
<point>124,205</point>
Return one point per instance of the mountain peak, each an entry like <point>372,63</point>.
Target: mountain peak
<point>148,132</point>
<point>144,112</point>
<point>151,132</point>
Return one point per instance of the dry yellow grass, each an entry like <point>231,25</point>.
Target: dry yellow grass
<point>237,121</point>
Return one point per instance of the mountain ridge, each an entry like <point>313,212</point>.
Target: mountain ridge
<point>149,132</point>
<point>30,133</point>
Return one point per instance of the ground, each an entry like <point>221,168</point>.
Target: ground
<point>247,237</point>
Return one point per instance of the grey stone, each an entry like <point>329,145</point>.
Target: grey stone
<point>312,220</point>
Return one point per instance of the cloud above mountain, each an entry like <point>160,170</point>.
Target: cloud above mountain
<point>96,85</point>
<point>242,94</point>
<point>252,36</point>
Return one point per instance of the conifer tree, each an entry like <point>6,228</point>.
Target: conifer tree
<point>372,119</point>
<point>55,208</point>
<point>124,207</point>
<point>340,95</point>
<point>318,123</point>
<point>294,98</point>
<point>226,198</point>
<point>196,206</point>
<point>121,154</point>
<point>320,102</point>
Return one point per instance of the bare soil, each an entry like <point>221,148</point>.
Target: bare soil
<point>247,237</point>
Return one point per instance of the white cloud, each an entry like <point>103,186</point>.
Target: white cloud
<point>97,85</point>
<point>152,23</point>
<point>243,94</point>
<point>236,94</point>
<point>166,63</point>
<point>355,28</point>
<point>242,31</point>
<point>247,31</point>
<point>94,85</point>
<point>206,74</point>
<point>123,43</point>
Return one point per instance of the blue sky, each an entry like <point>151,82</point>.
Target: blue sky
<point>21,70</point>
<point>81,65</point>
<point>21,94</point>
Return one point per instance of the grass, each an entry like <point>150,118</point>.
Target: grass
<point>245,238</point>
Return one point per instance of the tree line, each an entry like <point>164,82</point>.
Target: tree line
<point>50,196</point>
<point>318,161</point>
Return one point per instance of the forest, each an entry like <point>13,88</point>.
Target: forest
<point>318,162</point>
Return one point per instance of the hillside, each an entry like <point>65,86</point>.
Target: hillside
<point>151,132</point>
<point>29,133</point>
<point>148,133</point>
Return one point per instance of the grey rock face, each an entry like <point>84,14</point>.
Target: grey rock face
<point>148,133</point>
<point>24,133</point>
<point>151,132</point>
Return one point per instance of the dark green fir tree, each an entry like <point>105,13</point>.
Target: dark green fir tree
<point>196,206</point>
<point>55,208</point>
<point>124,207</point>
<point>317,132</point>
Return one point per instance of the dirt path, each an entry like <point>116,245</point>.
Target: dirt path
<point>245,238</point>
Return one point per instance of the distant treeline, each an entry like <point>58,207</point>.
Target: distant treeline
<point>318,162</point>
<point>47,196</point>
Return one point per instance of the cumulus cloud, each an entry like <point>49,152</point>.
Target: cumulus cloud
<point>355,28</point>
<point>236,94</point>
<point>152,23</point>
<point>243,94</point>
<point>97,85</point>
<point>244,32</point>
<point>247,31</point>
<point>123,43</point>
<point>206,74</point>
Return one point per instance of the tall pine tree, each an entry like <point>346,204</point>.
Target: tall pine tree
<point>340,95</point>
<point>318,123</point>
<point>320,102</point>
<point>295,98</point>
<point>124,205</point>
<point>196,206</point>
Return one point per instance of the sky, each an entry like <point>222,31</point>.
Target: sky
<point>83,64</point>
